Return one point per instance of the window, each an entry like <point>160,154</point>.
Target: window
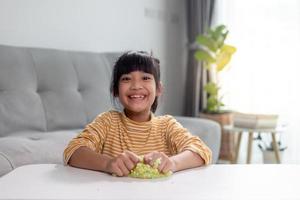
<point>264,75</point>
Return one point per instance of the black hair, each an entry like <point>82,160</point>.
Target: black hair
<point>135,61</point>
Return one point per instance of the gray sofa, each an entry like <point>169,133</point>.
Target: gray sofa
<point>47,96</point>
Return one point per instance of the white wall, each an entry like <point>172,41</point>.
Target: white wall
<point>105,25</point>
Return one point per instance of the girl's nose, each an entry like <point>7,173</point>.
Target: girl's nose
<point>136,85</point>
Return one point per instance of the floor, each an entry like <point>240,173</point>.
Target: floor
<point>290,140</point>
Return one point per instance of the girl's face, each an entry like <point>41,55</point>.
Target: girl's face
<point>137,92</point>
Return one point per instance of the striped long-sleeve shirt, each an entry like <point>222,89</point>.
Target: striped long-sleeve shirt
<point>112,133</point>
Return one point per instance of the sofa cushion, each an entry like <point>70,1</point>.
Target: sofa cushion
<point>94,81</point>
<point>49,90</point>
<point>35,147</point>
<point>20,106</point>
<point>5,165</point>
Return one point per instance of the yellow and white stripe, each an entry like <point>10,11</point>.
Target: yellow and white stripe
<point>112,133</point>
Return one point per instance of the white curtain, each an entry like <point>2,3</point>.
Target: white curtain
<point>264,75</point>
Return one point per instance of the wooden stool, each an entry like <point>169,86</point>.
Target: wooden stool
<point>239,131</point>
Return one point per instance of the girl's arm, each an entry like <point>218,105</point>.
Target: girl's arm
<point>181,140</point>
<point>86,158</point>
<point>186,159</point>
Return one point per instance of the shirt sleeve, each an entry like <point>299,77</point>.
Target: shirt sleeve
<point>93,137</point>
<point>180,139</point>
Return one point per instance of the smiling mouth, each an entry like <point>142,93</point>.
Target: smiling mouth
<point>136,96</point>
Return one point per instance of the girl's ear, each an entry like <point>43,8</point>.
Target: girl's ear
<point>159,89</point>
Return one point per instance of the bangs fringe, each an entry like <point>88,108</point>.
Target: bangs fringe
<point>136,62</point>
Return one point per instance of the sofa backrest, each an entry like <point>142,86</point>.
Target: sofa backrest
<point>48,90</point>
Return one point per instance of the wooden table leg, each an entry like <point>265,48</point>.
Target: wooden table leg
<point>237,147</point>
<point>249,152</point>
<point>275,147</point>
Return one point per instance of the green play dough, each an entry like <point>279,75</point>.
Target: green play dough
<point>146,171</point>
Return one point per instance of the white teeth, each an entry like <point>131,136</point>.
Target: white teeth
<point>137,96</point>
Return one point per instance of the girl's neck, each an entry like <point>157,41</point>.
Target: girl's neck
<point>138,117</point>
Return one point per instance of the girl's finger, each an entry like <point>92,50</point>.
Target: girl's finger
<point>117,171</point>
<point>129,164</point>
<point>148,158</point>
<point>132,156</point>
<point>123,168</point>
<point>162,165</point>
<point>167,167</point>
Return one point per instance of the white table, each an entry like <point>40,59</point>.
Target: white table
<point>230,182</point>
<point>239,131</point>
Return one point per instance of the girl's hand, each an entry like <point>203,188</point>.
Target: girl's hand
<point>166,164</point>
<point>122,164</point>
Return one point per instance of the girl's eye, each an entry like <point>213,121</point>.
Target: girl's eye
<point>125,78</point>
<point>147,78</point>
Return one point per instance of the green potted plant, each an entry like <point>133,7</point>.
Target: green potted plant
<point>215,54</point>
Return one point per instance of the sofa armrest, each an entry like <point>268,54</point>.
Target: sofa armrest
<point>208,130</point>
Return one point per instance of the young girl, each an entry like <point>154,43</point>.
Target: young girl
<point>114,141</point>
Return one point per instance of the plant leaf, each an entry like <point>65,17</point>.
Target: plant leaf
<point>224,56</point>
<point>217,32</point>
<point>219,35</point>
<point>219,29</point>
<point>211,89</point>
<point>202,55</point>
<point>207,42</point>
<point>212,105</point>
<point>228,48</point>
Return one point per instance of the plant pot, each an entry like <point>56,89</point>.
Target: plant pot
<point>227,139</point>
